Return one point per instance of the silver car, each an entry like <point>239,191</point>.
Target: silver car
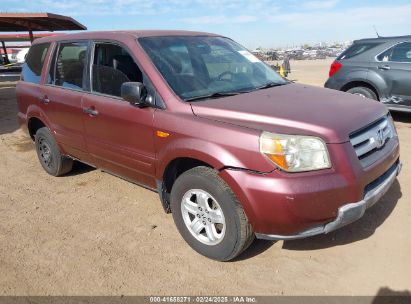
<point>377,68</point>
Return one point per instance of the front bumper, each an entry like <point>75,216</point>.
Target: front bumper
<point>347,213</point>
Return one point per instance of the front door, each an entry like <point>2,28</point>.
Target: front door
<point>119,135</point>
<point>394,66</point>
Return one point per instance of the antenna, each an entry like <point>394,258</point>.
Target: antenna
<point>375,29</point>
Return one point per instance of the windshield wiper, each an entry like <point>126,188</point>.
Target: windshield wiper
<point>271,85</point>
<point>224,94</point>
<point>214,95</point>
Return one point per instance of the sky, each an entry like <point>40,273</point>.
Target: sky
<point>258,23</point>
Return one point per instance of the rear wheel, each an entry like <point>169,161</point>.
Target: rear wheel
<point>50,157</point>
<point>208,215</point>
<point>363,92</point>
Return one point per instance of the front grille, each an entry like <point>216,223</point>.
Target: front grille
<point>371,139</point>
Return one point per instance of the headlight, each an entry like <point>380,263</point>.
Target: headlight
<point>295,153</point>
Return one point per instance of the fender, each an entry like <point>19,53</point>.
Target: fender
<point>367,76</point>
<point>355,75</point>
<point>378,83</point>
<point>208,152</point>
<point>216,148</point>
<point>34,111</point>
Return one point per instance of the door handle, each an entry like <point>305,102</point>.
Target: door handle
<point>89,111</point>
<point>384,67</point>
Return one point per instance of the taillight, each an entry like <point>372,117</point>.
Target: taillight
<point>335,66</point>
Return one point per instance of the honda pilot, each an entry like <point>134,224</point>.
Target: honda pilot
<point>234,150</point>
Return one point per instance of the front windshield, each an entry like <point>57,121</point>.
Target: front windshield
<point>201,66</point>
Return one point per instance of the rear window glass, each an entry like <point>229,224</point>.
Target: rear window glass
<point>68,64</point>
<point>34,62</point>
<point>357,49</point>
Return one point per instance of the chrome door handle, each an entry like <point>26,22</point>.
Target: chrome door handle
<point>384,67</point>
<point>89,111</point>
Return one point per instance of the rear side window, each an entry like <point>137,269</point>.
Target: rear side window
<point>357,49</point>
<point>399,53</point>
<point>69,62</point>
<point>386,56</point>
<point>34,63</point>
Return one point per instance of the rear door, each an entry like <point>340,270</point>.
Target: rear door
<point>62,96</point>
<point>29,90</point>
<point>119,135</point>
<point>394,66</point>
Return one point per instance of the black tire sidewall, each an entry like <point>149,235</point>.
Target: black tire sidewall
<point>187,181</point>
<point>44,133</point>
<point>364,91</point>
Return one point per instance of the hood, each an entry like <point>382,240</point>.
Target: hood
<point>295,109</point>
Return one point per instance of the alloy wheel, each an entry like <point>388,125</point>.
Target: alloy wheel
<point>203,216</point>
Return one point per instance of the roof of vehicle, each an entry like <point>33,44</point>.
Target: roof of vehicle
<point>383,39</point>
<point>132,33</point>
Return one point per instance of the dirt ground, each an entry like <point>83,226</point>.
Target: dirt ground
<point>90,233</point>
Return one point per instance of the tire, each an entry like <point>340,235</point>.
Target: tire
<point>50,157</point>
<point>212,204</point>
<point>363,92</point>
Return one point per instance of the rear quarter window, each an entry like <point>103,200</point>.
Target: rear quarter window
<point>34,63</point>
<point>357,49</point>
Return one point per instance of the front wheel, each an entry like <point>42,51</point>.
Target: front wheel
<point>208,215</point>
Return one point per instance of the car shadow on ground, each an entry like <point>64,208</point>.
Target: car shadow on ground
<point>386,295</point>
<point>256,248</point>
<point>79,168</point>
<point>359,230</point>
<point>401,116</point>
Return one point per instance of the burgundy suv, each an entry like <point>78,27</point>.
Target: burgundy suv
<point>234,150</point>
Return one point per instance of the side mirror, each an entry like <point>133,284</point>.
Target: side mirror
<point>134,92</point>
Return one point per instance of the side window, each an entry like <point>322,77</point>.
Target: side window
<point>401,52</point>
<point>357,49</point>
<point>112,66</point>
<point>34,62</point>
<point>67,68</point>
<point>386,56</point>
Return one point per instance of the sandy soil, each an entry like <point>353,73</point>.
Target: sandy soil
<point>90,233</point>
<point>313,72</point>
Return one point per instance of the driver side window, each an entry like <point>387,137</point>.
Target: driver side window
<point>112,66</point>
